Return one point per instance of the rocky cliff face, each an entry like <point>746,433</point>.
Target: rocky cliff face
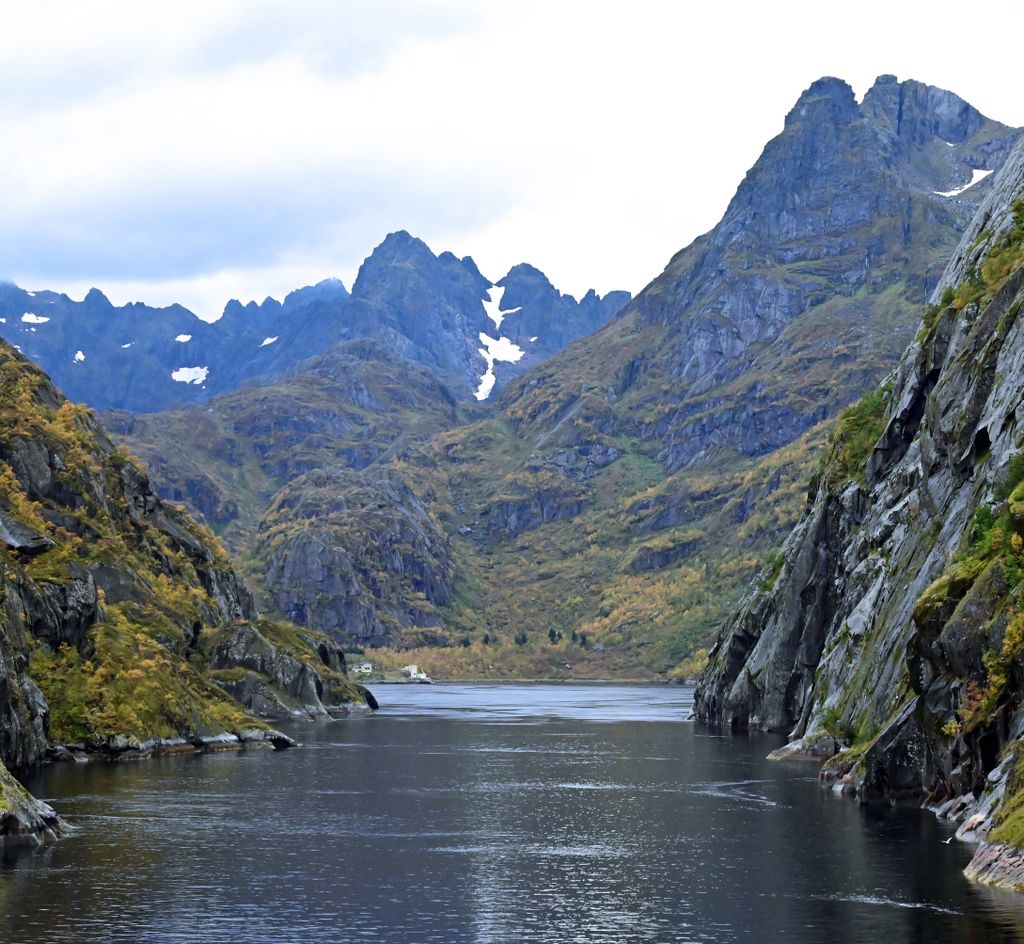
<point>355,554</point>
<point>808,285</point>
<point>892,626</point>
<point>112,602</point>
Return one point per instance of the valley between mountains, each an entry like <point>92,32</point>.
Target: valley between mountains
<point>601,510</point>
<point>791,466</point>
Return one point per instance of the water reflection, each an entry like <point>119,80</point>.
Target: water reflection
<point>492,814</point>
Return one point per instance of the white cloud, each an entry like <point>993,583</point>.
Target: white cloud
<point>241,149</point>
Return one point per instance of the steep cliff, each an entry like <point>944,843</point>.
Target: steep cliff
<point>115,606</point>
<point>893,626</point>
<point>808,284</point>
<point>356,554</point>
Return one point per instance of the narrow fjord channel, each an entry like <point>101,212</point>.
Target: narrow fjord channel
<point>491,813</point>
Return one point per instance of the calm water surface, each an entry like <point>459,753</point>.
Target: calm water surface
<point>491,813</point>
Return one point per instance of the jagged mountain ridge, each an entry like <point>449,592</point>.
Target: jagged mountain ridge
<point>892,627</point>
<point>427,308</point>
<point>826,224</point>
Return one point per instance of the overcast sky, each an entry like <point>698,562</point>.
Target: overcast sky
<point>199,151</point>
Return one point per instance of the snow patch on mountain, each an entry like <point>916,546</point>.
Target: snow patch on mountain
<point>977,176</point>
<point>493,309</point>
<point>30,318</point>
<point>493,350</point>
<point>193,375</point>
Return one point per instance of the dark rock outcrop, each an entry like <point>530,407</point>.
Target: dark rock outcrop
<point>25,820</point>
<point>276,681</point>
<point>355,555</point>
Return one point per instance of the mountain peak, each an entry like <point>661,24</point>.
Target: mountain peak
<point>828,99</point>
<point>397,248</point>
<point>914,113</point>
<point>524,272</point>
<point>326,290</point>
<point>882,81</point>
<point>402,241</point>
<point>470,264</point>
<point>95,297</point>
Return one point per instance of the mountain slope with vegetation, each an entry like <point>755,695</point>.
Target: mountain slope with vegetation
<point>628,489</point>
<point>123,625</point>
<point>894,629</point>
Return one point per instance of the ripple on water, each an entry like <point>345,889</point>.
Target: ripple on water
<point>534,814</point>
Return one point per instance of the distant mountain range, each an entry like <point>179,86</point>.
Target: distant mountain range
<point>436,311</point>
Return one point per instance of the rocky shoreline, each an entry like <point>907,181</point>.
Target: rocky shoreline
<point>993,863</point>
<point>894,623</point>
<point>997,864</point>
<point>24,820</point>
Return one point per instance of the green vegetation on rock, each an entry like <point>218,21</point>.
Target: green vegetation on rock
<point>856,431</point>
<point>112,601</point>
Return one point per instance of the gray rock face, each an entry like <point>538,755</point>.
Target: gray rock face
<point>841,195</point>
<point>846,636</point>
<point>806,292</point>
<point>556,501</point>
<point>21,538</point>
<point>355,555</point>
<point>276,682</point>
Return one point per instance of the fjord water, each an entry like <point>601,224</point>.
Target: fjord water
<point>491,813</point>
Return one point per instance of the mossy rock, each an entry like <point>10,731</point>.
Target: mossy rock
<point>936,605</point>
